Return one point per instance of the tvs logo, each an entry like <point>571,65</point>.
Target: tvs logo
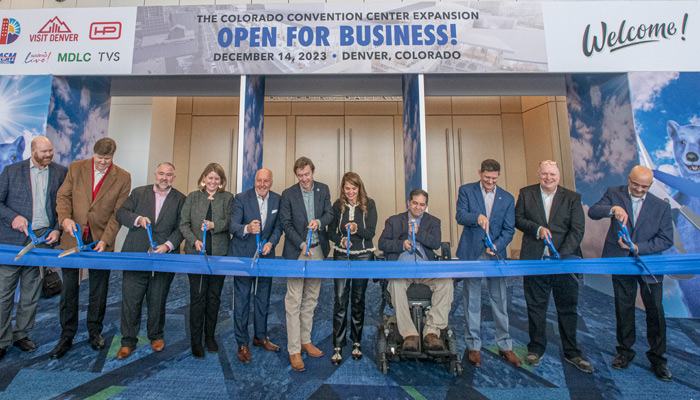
<point>37,58</point>
<point>54,30</point>
<point>105,30</point>
<point>7,58</point>
<point>10,30</point>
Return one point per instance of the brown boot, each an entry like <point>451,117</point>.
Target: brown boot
<point>410,343</point>
<point>432,342</point>
<point>244,354</point>
<point>157,345</point>
<point>311,350</point>
<point>510,358</point>
<point>297,362</point>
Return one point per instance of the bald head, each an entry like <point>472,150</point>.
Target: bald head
<point>42,151</point>
<point>263,182</point>
<point>640,180</point>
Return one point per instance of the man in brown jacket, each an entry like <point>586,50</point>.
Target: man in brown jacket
<point>90,196</point>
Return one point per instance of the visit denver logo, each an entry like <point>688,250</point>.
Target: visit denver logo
<point>54,31</point>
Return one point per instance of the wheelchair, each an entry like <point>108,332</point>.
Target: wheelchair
<point>389,340</point>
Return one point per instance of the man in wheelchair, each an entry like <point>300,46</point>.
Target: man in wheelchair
<point>414,235</point>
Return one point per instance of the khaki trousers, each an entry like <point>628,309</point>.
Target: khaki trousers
<point>300,303</point>
<point>443,292</point>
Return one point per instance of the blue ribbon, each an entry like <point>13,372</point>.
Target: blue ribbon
<point>188,263</point>
<point>683,185</point>
<point>154,245</point>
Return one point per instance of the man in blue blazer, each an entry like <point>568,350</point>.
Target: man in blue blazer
<point>397,244</point>
<point>648,220</point>
<point>27,194</point>
<point>255,212</point>
<point>484,207</point>
<point>303,207</point>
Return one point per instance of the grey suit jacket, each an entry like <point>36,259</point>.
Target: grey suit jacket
<point>294,220</point>
<point>142,203</point>
<point>193,212</point>
<point>16,198</point>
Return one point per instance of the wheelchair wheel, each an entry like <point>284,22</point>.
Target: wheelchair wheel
<point>384,365</point>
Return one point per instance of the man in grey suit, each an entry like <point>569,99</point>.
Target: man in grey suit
<point>648,220</point>
<point>254,213</point>
<point>27,194</point>
<point>549,210</point>
<point>303,207</point>
<point>159,206</point>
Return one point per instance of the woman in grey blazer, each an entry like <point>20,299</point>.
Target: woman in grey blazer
<point>211,204</point>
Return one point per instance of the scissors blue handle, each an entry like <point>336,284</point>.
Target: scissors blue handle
<point>308,242</point>
<point>154,245</point>
<point>259,245</point>
<point>79,238</point>
<point>37,240</point>
<point>204,241</point>
<point>553,253</point>
<point>624,234</point>
<point>413,238</point>
<point>489,243</point>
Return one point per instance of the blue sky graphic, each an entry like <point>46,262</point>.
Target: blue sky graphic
<point>24,104</point>
<point>253,130</point>
<point>411,133</point>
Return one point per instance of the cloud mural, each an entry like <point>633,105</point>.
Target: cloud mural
<point>411,134</point>
<point>78,116</point>
<point>253,129</point>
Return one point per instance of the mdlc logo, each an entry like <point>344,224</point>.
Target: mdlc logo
<point>9,31</point>
<point>54,30</point>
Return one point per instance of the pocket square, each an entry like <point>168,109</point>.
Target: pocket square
<point>274,211</point>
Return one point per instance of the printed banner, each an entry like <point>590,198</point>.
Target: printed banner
<point>82,41</point>
<point>341,38</point>
<point>622,36</point>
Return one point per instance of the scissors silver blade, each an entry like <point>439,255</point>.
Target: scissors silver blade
<point>24,251</point>
<point>70,251</point>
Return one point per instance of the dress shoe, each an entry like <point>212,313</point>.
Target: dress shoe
<point>432,342</point>
<point>510,358</point>
<point>244,354</point>
<point>211,344</point>
<point>25,344</point>
<point>475,357</point>
<point>311,350</point>
<point>125,352</point>
<point>266,344</point>
<point>2,353</point>
<point>661,371</point>
<point>337,357</point>
<point>533,359</point>
<point>197,350</point>
<point>157,345</point>
<point>621,361</point>
<point>297,362</point>
<point>410,343</point>
<point>581,364</point>
<point>97,342</point>
<point>356,351</point>
<point>61,348</point>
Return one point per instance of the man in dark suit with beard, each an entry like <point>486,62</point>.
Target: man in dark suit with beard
<point>648,220</point>
<point>255,212</point>
<point>549,210</point>
<point>27,195</point>
<point>159,206</point>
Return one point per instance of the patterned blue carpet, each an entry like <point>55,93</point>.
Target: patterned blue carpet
<point>175,374</point>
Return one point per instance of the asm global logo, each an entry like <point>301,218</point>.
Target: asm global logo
<point>54,30</point>
<point>7,58</point>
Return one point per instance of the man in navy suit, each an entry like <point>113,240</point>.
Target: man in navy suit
<point>397,244</point>
<point>484,207</point>
<point>549,210</point>
<point>27,194</point>
<point>158,205</point>
<point>255,212</point>
<point>648,220</point>
<point>303,207</point>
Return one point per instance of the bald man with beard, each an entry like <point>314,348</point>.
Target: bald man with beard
<point>648,220</point>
